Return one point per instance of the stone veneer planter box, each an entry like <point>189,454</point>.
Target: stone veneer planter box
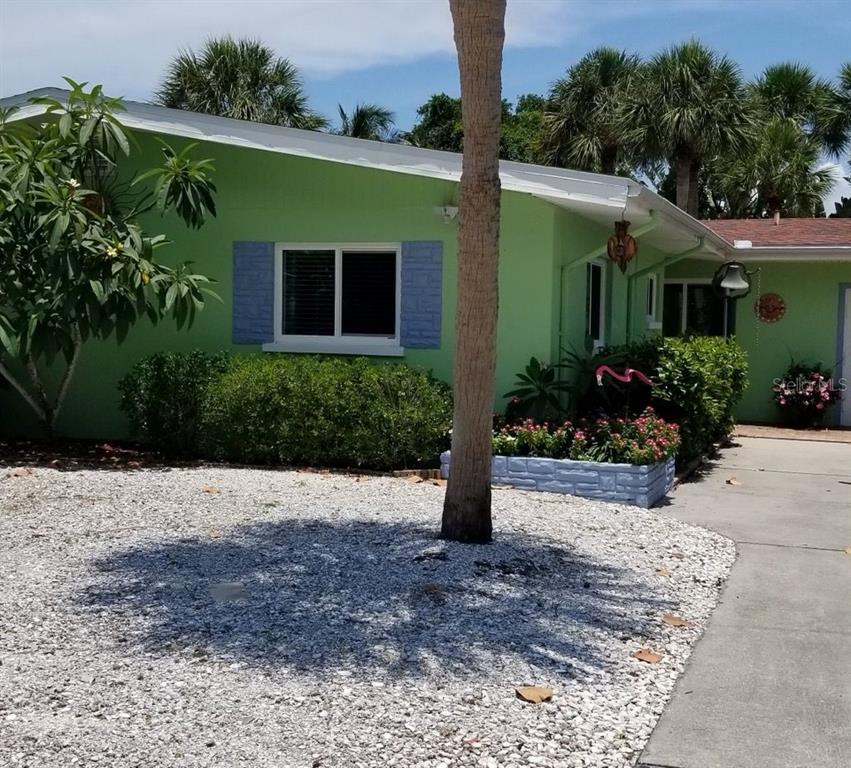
<point>625,483</point>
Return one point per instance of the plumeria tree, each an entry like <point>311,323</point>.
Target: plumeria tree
<point>75,260</point>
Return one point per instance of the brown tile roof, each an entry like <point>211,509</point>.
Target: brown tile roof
<point>789,232</point>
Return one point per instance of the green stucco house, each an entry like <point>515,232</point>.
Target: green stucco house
<point>799,306</point>
<point>331,245</point>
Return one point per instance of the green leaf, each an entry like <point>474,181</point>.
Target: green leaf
<point>98,291</point>
<point>170,296</point>
<point>86,130</point>
<point>119,136</point>
<point>65,125</point>
<point>10,342</point>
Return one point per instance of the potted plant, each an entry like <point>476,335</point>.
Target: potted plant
<point>805,393</point>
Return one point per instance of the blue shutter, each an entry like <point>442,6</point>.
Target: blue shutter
<point>253,292</point>
<point>422,275</point>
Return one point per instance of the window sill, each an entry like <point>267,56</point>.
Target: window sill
<point>337,347</point>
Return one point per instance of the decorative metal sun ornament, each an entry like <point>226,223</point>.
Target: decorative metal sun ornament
<point>621,246</point>
<point>770,308</point>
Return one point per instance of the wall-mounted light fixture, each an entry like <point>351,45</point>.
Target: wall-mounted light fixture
<point>732,281</point>
<point>446,212</point>
<point>733,278</point>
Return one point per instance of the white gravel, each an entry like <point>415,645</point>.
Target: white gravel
<point>241,617</point>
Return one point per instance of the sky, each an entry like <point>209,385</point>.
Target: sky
<point>398,52</point>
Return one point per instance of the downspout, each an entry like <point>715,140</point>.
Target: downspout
<point>590,256</point>
<point>664,264</point>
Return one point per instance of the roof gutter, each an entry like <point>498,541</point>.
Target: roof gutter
<point>712,240</point>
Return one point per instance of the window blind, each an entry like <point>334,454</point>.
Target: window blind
<point>308,306</point>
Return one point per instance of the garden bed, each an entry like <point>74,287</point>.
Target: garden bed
<point>641,485</point>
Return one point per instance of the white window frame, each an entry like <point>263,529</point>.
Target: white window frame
<point>653,293</point>
<point>598,344</point>
<point>685,282</point>
<point>338,344</point>
<point>652,312</point>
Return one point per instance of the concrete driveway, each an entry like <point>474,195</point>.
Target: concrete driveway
<point>769,684</point>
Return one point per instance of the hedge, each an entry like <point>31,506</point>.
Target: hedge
<point>321,411</point>
<point>289,409</point>
<point>162,394</point>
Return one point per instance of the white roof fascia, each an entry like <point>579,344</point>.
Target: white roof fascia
<point>806,253</point>
<point>541,181</point>
<point>557,185</point>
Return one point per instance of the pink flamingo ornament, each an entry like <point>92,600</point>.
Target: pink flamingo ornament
<point>627,375</point>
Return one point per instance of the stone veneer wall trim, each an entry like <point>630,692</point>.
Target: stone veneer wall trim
<point>642,485</point>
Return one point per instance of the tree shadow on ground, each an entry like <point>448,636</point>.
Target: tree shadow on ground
<point>324,596</point>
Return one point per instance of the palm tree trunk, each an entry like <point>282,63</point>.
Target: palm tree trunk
<point>683,168</point>
<point>694,189</point>
<point>609,160</point>
<point>479,36</point>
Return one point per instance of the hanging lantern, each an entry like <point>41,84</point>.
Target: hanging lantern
<point>621,246</point>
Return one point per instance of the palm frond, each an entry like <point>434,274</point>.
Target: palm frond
<point>242,79</point>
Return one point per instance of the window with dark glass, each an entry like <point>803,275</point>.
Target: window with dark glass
<point>368,294</point>
<point>692,308</point>
<point>594,302</point>
<point>672,310</point>
<point>308,306</point>
<point>339,292</point>
<point>704,311</point>
<point>651,297</point>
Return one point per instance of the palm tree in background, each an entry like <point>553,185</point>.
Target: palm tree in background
<point>844,100</point>
<point>845,86</point>
<point>798,119</point>
<point>689,106</point>
<point>791,91</point>
<point>583,125</point>
<point>242,79</point>
<point>778,173</point>
<point>367,121</point>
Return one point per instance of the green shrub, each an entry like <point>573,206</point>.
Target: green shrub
<point>162,394</point>
<point>698,381</point>
<point>336,412</point>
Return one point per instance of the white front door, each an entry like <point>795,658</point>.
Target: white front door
<point>845,403</point>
